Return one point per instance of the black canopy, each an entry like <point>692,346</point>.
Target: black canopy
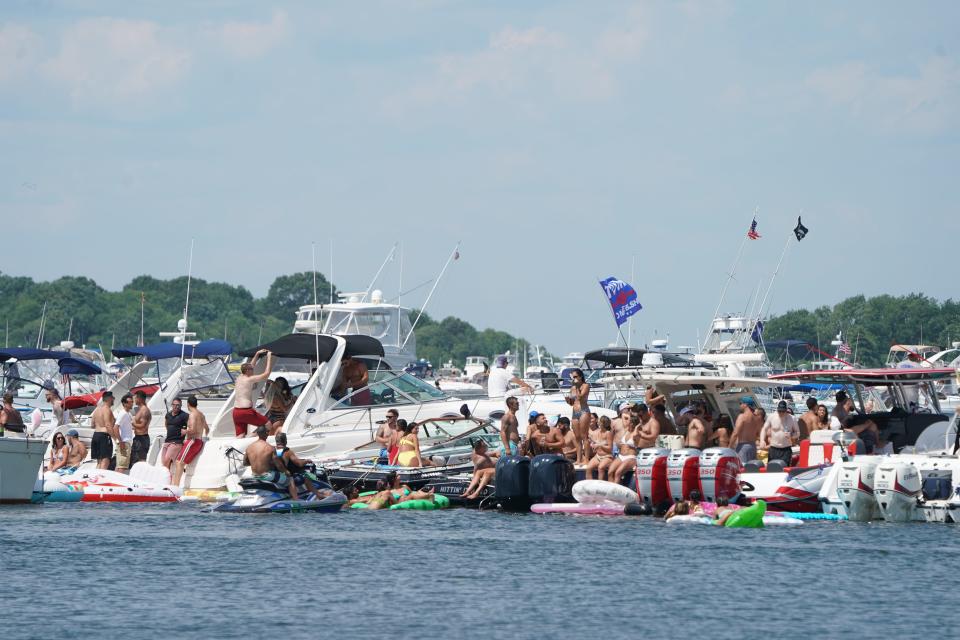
<point>305,346</point>
<point>617,357</point>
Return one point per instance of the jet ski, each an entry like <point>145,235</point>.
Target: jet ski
<point>263,496</point>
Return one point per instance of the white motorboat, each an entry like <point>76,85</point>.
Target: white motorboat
<point>353,314</point>
<point>476,366</point>
<point>20,461</point>
<point>323,423</point>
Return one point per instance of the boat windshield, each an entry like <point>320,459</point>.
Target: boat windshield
<point>391,387</point>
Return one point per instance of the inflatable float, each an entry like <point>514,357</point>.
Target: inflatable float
<point>579,508</point>
<point>601,491</point>
<point>145,483</point>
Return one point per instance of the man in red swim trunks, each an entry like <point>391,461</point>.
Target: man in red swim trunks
<point>243,411</point>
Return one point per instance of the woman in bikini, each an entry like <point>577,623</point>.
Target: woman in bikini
<point>409,447</point>
<point>602,444</point>
<point>279,398</point>
<point>627,459</point>
<point>484,469</point>
<point>58,452</point>
<point>580,421</point>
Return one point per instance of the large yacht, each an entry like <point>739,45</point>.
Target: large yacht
<point>355,315</point>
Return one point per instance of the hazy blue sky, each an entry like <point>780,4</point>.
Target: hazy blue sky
<point>557,140</point>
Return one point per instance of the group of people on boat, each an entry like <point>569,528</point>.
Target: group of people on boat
<point>399,442</point>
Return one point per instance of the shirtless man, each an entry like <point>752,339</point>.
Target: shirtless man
<point>104,431</point>
<point>778,435</point>
<point>667,428</point>
<point>569,438</point>
<point>541,438</point>
<point>699,432</point>
<point>578,400</point>
<point>808,421</point>
<point>386,434</point>
<point>746,430</point>
<point>263,460</point>
<point>78,450</point>
<point>353,377</point>
<point>197,430</point>
<point>243,412</point>
<point>141,427</point>
<point>649,430</point>
<point>840,411</point>
<point>510,429</point>
<point>484,469</point>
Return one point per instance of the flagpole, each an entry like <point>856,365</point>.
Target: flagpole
<point>733,270</point>
<point>633,264</point>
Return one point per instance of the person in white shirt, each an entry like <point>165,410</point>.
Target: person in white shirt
<point>780,432</point>
<point>498,384</point>
<point>124,440</point>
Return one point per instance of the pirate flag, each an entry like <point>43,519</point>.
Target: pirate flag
<point>800,231</point>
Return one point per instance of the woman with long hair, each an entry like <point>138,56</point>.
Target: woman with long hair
<point>58,452</point>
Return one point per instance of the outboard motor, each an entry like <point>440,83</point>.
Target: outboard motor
<point>551,479</point>
<point>855,488</point>
<point>683,473</point>
<point>719,474</point>
<point>897,486</point>
<point>512,482</point>
<point>652,476</point>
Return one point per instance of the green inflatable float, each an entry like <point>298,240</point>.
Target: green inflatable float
<point>438,502</point>
<point>749,517</point>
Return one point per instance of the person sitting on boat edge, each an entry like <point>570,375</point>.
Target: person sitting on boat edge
<point>263,461</point>
<point>569,438</point>
<point>77,454</point>
<point>484,469</point>
<point>602,445</point>
<point>541,438</point>
<point>58,452</point>
<point>864,428</point>
<point>297,471</point>
<point>244,413</point>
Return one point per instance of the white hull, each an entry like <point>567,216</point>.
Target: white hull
<point>20,460</point>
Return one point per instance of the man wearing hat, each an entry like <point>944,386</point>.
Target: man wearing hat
<point>77,452</point>
<point>746,430</point>
<point>780,432</point>
<point>499,381</point>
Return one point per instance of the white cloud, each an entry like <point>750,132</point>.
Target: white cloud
<point>253,39</point>
<point>19,50</point>
<point>110,60</point>
<point>926,100</point>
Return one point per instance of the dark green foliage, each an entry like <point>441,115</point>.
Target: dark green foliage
<point>872,325</point>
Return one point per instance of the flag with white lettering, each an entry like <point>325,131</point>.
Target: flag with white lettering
<point>622,297</point>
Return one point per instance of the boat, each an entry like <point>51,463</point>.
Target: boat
<point>476,368</point>
<point>353,314</point>
<point>20,460</point>
<point>144,483</point>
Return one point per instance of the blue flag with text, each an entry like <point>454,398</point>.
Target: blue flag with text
<point>622,297</point>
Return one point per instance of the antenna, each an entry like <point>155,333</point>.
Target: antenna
<point>375,277</point>
<point>331,273</point>
<point>142,301</point>
<point>43,321</point>
<point>399,293</point>
<point>316,334</point>
<point>186,307</point>
<point>453,256</point>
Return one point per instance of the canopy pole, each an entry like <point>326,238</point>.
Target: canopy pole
<point>453,254</point>
<point>399,294</point>
<point>186,310</point>
<point>316,334</point>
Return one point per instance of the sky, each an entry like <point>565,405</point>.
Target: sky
<point>559,142</point>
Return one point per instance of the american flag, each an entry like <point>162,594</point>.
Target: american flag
<point>845,349</point>
<point>752,234</point>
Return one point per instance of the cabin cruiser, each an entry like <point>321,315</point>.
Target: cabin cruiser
<point>734,345</point>
<point>324,422</point>
<point>913,480</point>
<point>354,315</point>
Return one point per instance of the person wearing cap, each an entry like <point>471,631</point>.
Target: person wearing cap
<point>778,435</point>
<point>699,432</point>
<point>104,431</point>
<point>746,430</point>
<point>541,438</point>
<point>499,381</point>
<point>77,453</point>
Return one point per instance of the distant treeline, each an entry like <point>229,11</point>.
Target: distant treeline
<point>871,325</point>
<point>80,309</point>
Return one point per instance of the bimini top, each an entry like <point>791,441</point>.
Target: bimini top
<point>869,377</point>
<point>67,363</point>
<point>617,357</point>
<point>306,346</point>
<point>164,350</point>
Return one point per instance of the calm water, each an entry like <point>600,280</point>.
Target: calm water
<point>171,571</point>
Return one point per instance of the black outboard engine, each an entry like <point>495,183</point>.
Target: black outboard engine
<point>551,479</point>
<point>512,483</point>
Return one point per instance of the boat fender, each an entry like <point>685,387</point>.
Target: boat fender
<point>637,509</point>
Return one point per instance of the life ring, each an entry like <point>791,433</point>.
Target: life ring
<point>596,491</point>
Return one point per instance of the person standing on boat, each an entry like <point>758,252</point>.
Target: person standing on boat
<point>746,431</point>
<point>124,440</point>
<point>141,428</point>
<point>780,432</point>
<point>840,410</point>
<point>510,429</point>
<point>648,429</point>
<point>53,397</point>
<point>104,430</point>
<point>699,432</point>
<point>577,399</point>
<point>243,412</point>
<point>176,423</point>
<point>386,435</point>
<point>499,381</point>
<point>354,377</point>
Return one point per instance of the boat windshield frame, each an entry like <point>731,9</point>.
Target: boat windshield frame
<point>389,379</point>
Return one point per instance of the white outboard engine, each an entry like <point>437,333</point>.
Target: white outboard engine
<point>855,488</point>
<point>652,477</point>
<point>719,473</point>
<point>683,473</point>
<point>898,487</point>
